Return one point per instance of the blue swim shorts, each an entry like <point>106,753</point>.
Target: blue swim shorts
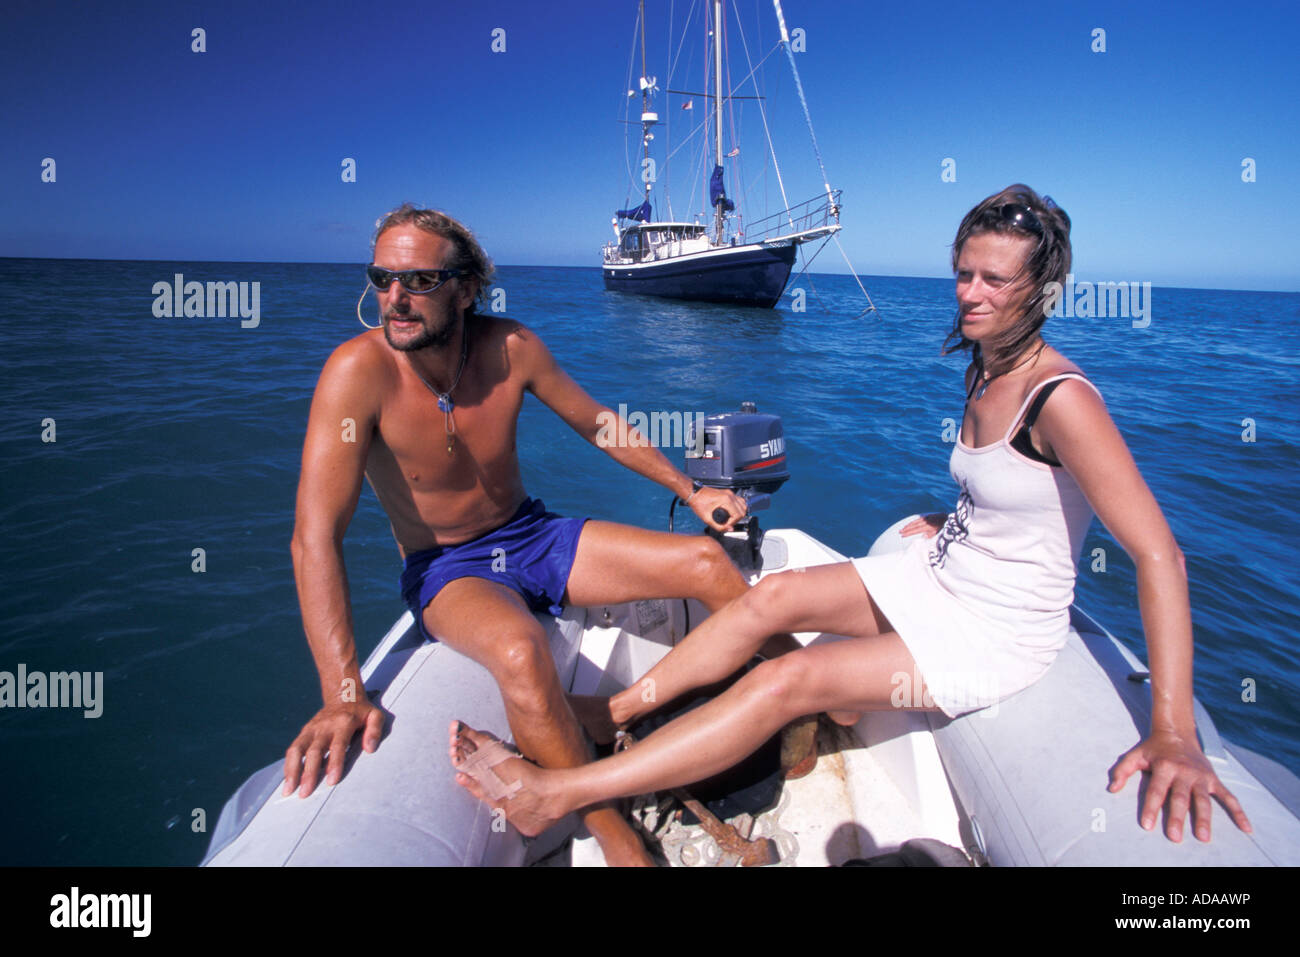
<point>531,554</point>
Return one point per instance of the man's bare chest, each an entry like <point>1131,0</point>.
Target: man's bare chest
<point>433,447</point>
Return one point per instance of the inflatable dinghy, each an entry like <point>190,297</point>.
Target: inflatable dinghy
<point>1025,786</point>
<point>1024,783</point>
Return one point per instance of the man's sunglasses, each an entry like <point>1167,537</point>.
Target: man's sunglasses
<point>416,281</point>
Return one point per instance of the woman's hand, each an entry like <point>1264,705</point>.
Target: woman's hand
<point>928,525</point>
<point>1181,773</point>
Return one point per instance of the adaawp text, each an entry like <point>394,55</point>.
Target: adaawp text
<point>57,689</point>
<point>1104,300</point>
<point>212,300</point>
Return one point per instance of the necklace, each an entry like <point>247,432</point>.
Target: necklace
<point>984,378</point>
<point>445,402</point>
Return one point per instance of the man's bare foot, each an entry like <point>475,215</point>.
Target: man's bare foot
<point>593,713</point>
<point>527,809</point>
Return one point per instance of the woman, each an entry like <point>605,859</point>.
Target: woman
<point>978,608</point>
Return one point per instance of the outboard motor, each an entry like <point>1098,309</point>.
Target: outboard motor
<point>744,452</point>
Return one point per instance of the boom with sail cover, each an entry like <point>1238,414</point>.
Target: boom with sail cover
<point>641,213</point>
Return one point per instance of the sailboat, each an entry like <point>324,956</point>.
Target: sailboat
<point>717,257</point>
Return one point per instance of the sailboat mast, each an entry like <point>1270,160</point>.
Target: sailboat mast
<point>717,106</point>
<point>645,105</point>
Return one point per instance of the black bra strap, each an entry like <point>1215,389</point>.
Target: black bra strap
<point>1020,442</point>
<point>1039,401</point>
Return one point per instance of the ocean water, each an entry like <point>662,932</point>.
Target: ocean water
<point>176,434</point>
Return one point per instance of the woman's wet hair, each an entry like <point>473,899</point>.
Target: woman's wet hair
<point>467,255</point>
<point>1017,211</point>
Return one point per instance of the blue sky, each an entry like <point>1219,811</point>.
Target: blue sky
<point>235,153</point>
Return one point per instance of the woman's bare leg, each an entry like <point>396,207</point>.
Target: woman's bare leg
<point>859,674</point>
<point>828,598</point>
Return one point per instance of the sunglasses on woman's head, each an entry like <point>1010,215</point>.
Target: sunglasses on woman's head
<point>1020,216</point>
<point>416,281</point>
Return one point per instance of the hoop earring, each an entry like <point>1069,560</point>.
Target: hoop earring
<point>359,319</point>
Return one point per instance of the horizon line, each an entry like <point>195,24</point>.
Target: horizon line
<point>332,262</point>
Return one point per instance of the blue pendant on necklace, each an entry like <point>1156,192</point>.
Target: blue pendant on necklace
<point>445,403</point>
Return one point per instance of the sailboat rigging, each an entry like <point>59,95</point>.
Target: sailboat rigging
<point>718,259</point>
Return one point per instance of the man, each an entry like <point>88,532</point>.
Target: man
<point>426,408</point>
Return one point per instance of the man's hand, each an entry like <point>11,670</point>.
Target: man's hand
<point>704,501</point>
<point>1181,773</point>
<point>330,730</point>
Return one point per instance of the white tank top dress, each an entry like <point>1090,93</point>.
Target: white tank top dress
<point>984,605</point>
